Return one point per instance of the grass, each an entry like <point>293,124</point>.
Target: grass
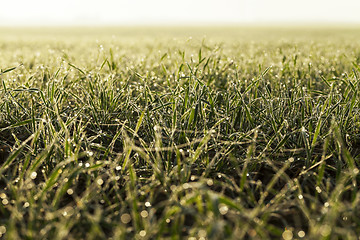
<point>245,133</point>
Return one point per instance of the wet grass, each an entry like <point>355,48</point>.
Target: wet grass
<point>132,133</point>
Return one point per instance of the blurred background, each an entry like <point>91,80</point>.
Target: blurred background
<point>184,12</point>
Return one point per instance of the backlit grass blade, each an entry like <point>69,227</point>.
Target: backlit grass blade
<point>81,71</point>
<point>7,70</point>
<point>14,154</point>
<point>129,147</point>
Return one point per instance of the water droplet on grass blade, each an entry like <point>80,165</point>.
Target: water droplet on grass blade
<point>223,209</point>
<point>125,218</point>
<point>142,233</point>
<point>287,235</point>
<point>2,230</point>
<point>144,214</point>
<point>100,181</point>
<point>301,234</point>
<point>33,175</point>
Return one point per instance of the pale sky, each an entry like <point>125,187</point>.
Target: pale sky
<point>167,12</point>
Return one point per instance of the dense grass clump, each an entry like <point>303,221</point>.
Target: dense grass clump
<point>145,134</point>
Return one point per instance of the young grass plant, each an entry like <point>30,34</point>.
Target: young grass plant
<point>250,135</point>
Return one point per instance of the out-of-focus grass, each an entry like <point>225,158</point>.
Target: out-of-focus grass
<point>179,133</point>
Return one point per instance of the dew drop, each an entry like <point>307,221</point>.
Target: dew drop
<point>125,218</point>
<point>142,233</point>
<point>287,235</point>
<point>144,214</point>
<point>301,234</point>
<point>223,209</point>
<point>33,175</point>
<point>2,229</point>
<point>100,181</point>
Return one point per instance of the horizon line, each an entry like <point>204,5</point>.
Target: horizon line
<point>194,24</point>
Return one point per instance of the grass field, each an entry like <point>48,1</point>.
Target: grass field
<point>180,133</point>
